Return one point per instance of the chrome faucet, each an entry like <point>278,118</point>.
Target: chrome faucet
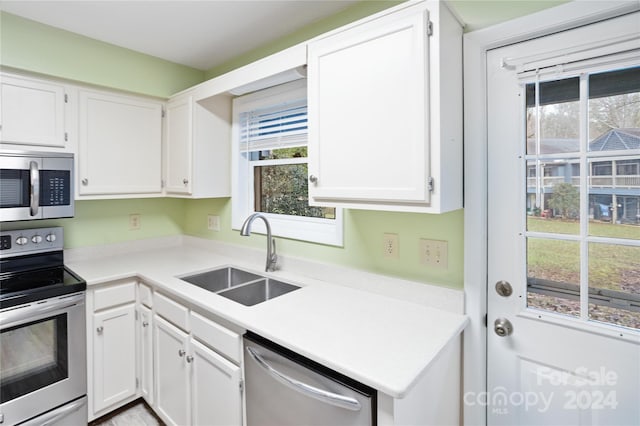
<point>272,257</point>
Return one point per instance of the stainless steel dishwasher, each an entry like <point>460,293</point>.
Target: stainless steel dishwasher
<point>286,389</point>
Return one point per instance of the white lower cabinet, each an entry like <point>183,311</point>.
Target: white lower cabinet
<point>215,388</point>
<point>144,344</point>
<point>195,383</point>
<point>172,373</point>
<point>112,347</point>
<point>145,339</point>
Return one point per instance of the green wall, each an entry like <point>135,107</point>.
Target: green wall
<point>29,45</point>
<point>39,48</point>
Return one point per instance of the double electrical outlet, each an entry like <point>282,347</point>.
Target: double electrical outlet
<point>433,253</point>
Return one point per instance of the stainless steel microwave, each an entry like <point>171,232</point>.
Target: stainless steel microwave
<point>36,185</point>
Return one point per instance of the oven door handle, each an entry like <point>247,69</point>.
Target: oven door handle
<point>34,175</point>
<point>55,415</point>
<point>28,312</point>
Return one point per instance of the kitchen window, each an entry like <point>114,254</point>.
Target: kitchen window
<point>270,166</point>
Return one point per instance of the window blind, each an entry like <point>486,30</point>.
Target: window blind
<point>279,126</point>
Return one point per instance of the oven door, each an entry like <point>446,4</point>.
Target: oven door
<point>42,356</point>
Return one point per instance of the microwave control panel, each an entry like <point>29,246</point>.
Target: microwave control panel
<point>55,189</point>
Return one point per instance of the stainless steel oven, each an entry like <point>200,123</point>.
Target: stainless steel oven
<point>42,332</point>
<point>36,185</point>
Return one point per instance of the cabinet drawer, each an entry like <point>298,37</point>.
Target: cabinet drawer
<point>217,337</point>
<point>113,295</point>
<point>144,294</point>
<point>172,311</point>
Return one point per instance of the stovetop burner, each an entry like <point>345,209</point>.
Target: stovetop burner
<point>32,267</point>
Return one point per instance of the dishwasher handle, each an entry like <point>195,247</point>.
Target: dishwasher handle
<point>304,388</point>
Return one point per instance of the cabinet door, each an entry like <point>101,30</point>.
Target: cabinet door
<point>32,112</point>
<point>172,378</point>
<point>114,352</point>
<point>179,141</point>
<point>146,354</point>
<point>216,394</point>
<point>368,112</point>
<point>120,144</point>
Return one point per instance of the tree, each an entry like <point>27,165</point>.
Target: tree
<point>565,199</point>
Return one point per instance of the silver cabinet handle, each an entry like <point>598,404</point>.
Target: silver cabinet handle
<point>85,181</point>
<point>313,179</point>
<point>34,196</point>
<point>189,358</point>
<point>308,390</point>
<point>145,323</point>
<point>181,352</point>
<point>100,329</point>
<point>185,181</point>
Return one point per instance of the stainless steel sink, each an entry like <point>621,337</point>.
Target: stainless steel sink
<point>257,292</point>
<point>221,279</point>
<point>240,286</point>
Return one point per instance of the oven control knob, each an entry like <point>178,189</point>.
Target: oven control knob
<point>51,238</point>
<point>37,239</point>
<point>22,241</point>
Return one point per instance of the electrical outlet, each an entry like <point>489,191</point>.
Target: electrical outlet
<point>134,221</point>
<point>213,222</point>
<point>434,253</point>
<point>390,245</point>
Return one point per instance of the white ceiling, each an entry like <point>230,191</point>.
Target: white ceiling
<point>200,34</point>
<point>203,34</point>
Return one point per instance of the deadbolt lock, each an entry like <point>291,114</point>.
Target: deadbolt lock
<point>503,288</point>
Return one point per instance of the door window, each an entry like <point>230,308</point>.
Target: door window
<point>582,168</point>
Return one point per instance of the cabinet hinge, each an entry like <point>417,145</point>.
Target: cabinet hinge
<point>486,319</point>
<point>137,383</point>
<point>162,113</point>
<point>136,315</point>
<point>66,98</point>
<point>162,184</point>
<point>66,137</point>
<point>241,386</point>
<point>430,184</point>
<point>429,28</point>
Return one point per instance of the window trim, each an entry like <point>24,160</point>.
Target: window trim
<point>316,230</point>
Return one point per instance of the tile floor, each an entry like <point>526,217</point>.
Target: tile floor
<point>135,414</point>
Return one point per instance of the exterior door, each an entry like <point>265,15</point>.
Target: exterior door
<point>564,228</point>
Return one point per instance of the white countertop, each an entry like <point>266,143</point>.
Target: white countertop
<point>374,336</point>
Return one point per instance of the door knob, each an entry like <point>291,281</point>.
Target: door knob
<point>100,329</point>
<point>503,327</point>
<point>189,358</point>
<point>145,323</point>
<point>313,179</point>
<point>181,352</point>
<point>185,181</point>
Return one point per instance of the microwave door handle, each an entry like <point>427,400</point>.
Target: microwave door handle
<point>34,175</point>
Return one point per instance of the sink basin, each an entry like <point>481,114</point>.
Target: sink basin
<point>240,286</point>
<point>220,279</point>
<point>257,292</point>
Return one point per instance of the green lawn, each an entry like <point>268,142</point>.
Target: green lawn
<point>600,229</point>
<point>610,266</point>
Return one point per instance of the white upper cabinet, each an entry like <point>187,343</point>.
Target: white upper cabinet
<point>32,112</point>
<point>197,146</point>
<point>120,145</point>
<point>385,112</point>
